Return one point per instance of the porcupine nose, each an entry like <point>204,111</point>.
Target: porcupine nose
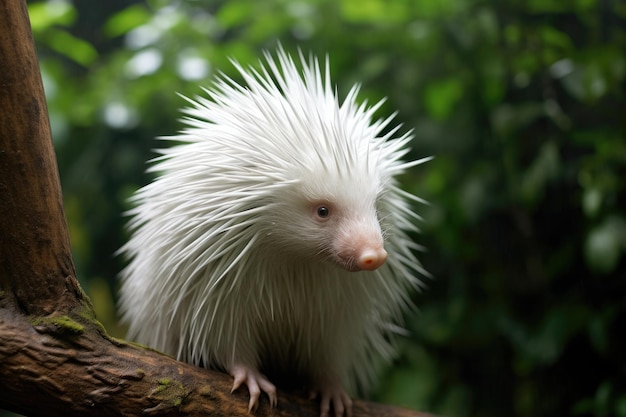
<point>371,259</point>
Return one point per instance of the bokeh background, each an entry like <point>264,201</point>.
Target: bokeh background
<point>521,101</point>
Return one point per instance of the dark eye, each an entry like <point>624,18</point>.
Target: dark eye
<point>323,212</point>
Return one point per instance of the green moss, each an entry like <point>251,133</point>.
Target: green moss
<point>164,383</point>
<point>85,300</point>
<point>122,342</point>
<point>206,391</point>
<point>169,392</point>
<point>63,324</point>
<point>74,323</point>
<point>88,315</point>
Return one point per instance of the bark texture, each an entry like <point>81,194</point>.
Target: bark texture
<point>35,246</point>
<point>60,366</point>
<point>55,358</point>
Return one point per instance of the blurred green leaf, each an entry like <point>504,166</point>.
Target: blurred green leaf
<point>592,201</point>
<point>555,38</point>
<point>508,119</point>
<point>413,384</point>
<point>440,97</point>
<point>235,13</point>
<point>76,49</point>
<point>599,327</point>
<point>544,168</point>
<point>375,11</point>
<point>605,244</point>
<point>543,344</point>
<point>126,20</point>
<point>599,405</point>
<point>620,406</point>
<point>51,13</point>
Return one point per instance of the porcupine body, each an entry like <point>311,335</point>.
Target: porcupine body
<point>274,238</point>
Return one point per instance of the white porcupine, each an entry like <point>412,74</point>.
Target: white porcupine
<point>274,240</point>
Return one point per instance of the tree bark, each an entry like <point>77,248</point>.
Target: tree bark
<point>55,357</point>
<point>37,270</point>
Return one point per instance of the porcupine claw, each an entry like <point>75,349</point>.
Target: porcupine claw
<point>335,395</point>
<point>256,383</point>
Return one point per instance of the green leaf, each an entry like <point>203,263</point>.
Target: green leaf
<point>544,168</point>
<point>374,11</point>
<point>234,13</point>
<point>440,97</point>
<point>592,201</point>
<point>605,244</point>
<point>76,49</point>
<point>507,119</point>
<point>126,20</point>
<point>51,13</point>
<point>552,37</point>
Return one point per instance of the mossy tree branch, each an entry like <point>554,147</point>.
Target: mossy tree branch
<point>55,358</point>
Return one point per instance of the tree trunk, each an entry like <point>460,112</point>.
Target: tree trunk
<point>55,357</point>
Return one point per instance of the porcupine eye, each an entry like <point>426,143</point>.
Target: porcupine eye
<point>322,212</point>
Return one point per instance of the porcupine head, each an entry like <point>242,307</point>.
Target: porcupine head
<point>274,240</point>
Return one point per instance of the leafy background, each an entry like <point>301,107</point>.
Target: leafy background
<point>522,102</point>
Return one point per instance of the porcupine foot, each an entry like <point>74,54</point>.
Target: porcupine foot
<point>333,394</point>
<point>256,383</point>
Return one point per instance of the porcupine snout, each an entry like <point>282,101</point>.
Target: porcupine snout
<point>371,259</point>
<point>359,246</point>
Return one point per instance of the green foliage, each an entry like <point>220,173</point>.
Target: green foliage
<point>521,102</point>
<point>47,21</point>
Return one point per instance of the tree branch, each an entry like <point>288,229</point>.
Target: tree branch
<point>31,207</point>
<point>52,348</point>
